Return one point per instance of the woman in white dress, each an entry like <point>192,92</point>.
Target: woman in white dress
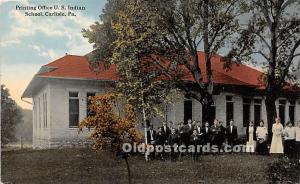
<point>261,136</point>
<point>251,137</point>
<point>276,144</point>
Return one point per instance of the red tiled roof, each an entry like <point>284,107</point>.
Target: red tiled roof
<point>71,66</point>
<point>239,74</point>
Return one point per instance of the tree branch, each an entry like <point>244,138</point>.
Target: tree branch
<point>289,62</point>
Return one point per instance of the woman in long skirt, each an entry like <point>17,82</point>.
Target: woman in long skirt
<point>251,137</point>
<point>261,136</point>
<point>276,144</point>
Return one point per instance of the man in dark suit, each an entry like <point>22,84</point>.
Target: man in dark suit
<point>199,127</point>
<point>190,126</point>
<point>166,131</point>
<point>216,135</point>
<point>222,135</point>
<point>195,141</point>
<point>173,141</point>
<point>231,133</point>
<point>206,137</point>
<point>206,133</point>
<point>185,134</point>
<point>151,137</point>
<point>160,141</point>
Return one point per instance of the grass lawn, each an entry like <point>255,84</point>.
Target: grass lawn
<point>85,166</point>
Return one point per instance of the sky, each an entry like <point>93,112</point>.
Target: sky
<point>27,43</point>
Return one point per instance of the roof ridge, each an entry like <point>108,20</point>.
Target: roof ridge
<point>235,78</point>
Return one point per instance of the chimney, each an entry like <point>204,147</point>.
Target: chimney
<point>66,54</point>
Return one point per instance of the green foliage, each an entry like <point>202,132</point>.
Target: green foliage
<point>10,116</point>
<point>155,43</point>
<point>273,34</point>
<point>284,171</point>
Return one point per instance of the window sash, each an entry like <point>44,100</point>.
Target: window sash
<point>73,109</point>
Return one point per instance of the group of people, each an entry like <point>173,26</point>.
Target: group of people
<point>284,140</point>
<point>192,133</point>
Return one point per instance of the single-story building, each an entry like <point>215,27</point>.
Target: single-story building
<point>59,92</point>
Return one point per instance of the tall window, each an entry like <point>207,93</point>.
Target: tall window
<point>188,109</point>
<point>229,109</point>
<point>292,111</point>
<point>35,114</point>
<point>89,112</point>
<point>246,111</point>
<point>73,109</point>
<point>282,111</point>
<point>45,110</point>
<point>257,111</point>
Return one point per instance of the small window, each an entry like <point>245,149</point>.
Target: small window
<point>229,98</point>
<point>257,101</point>
<point>282,102</point>
<point>73,94</point>
<point>246,100</point>
<point>292,102</point>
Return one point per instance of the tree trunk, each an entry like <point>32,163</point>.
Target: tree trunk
<point>128,169</point>
<point>271,114</point>
<point>207,110</point>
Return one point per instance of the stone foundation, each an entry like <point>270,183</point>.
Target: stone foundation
<point>61,143</point>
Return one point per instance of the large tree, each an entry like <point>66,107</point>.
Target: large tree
<point>10,116</point>
<point>273,34</point>
<point>172,31</point>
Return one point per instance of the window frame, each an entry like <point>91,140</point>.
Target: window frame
<point>69,113</point>
<point>246,102</point>
<point>229,100</point>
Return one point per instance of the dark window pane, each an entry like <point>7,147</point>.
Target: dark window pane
<point>257,114</point>
<point>229,98</point>
<point>74,106</point>
<point>210,118</point>
<point>247,100</point>
<point>292,102</point>
<point>282,113</point>
<point>188,110</point>
<point>282,102</point>
<point>73,112</point>
<point>229,112</point>
<point>257,101</point>
<point>292,114</point>
<point>246,114</point>
<point>74,120</point>
<point>73,94</point>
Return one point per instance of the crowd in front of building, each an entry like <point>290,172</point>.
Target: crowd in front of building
<point>285,140</point>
